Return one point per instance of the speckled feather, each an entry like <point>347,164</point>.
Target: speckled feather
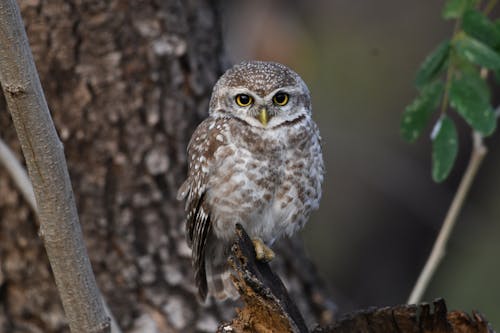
<point>268,178</point>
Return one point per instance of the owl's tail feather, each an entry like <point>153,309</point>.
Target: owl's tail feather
<point>221,286</point>
<point>219,282</point>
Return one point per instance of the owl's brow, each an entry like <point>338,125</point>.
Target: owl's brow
<point>287,89</point>
<point>257,97</point>
<point>244,90</point>
<point>241,90</point>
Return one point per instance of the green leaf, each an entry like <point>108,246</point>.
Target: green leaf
<point>433,64</point>
<point>476,52</point>
<point>417,114</point>
<point>470,97</point>
<point>444,148</point>
<point>477,25</point>
<point>455,8</point>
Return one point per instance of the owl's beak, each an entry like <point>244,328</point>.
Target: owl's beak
<point>263,116</point>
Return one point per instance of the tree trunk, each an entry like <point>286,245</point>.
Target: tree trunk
<point>126,82</point>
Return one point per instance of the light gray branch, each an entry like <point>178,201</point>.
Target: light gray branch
<point>43,151</point>
<point>18,174</point>
<point>20,177</point>
<point>439,249</point>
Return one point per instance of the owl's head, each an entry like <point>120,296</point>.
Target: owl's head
<point>263,94</point>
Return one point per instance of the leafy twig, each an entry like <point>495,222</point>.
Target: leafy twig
<point>449,73</point>
<point>473,44</point>
<point>439,248</point>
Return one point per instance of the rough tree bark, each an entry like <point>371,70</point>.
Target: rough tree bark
<point>126,82</point>
<point>44,155</point>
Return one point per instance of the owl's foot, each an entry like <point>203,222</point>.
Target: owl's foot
<point>262,251</point>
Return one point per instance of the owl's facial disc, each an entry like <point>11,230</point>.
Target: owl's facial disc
<point>262,94</point>
<point>260,108</point>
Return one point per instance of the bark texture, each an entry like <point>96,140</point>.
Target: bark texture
<point>126,83</point>
<point>44,155</point>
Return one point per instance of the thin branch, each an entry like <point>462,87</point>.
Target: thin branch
<point>20,177</point>
<point>449,73</point>
<point>18,174</point>
<point>489,7</point>
<point>59,225</point>
<point>439,248</point>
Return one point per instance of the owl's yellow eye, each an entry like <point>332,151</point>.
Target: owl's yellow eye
<point>244,100</point>
<point>280,99</point>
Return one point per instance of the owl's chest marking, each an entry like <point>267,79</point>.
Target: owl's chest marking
<point>267,180</point>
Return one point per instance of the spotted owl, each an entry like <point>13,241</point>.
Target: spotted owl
<point>256,160</point>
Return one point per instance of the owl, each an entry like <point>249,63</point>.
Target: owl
<point>256,160</point>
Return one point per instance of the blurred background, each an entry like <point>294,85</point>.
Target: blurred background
<point>381,211</point>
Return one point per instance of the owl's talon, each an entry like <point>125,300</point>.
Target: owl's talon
<point>262,251</point>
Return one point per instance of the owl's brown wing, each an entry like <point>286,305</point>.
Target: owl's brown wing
<point>198,228</point>
<point>201,150</point>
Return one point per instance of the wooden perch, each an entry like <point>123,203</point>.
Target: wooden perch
<point>268,308</point>
<point>410,318</point>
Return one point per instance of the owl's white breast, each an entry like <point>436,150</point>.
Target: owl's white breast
<point>266,179</point>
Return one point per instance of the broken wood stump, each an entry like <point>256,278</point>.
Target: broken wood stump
<point>269,309</point>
